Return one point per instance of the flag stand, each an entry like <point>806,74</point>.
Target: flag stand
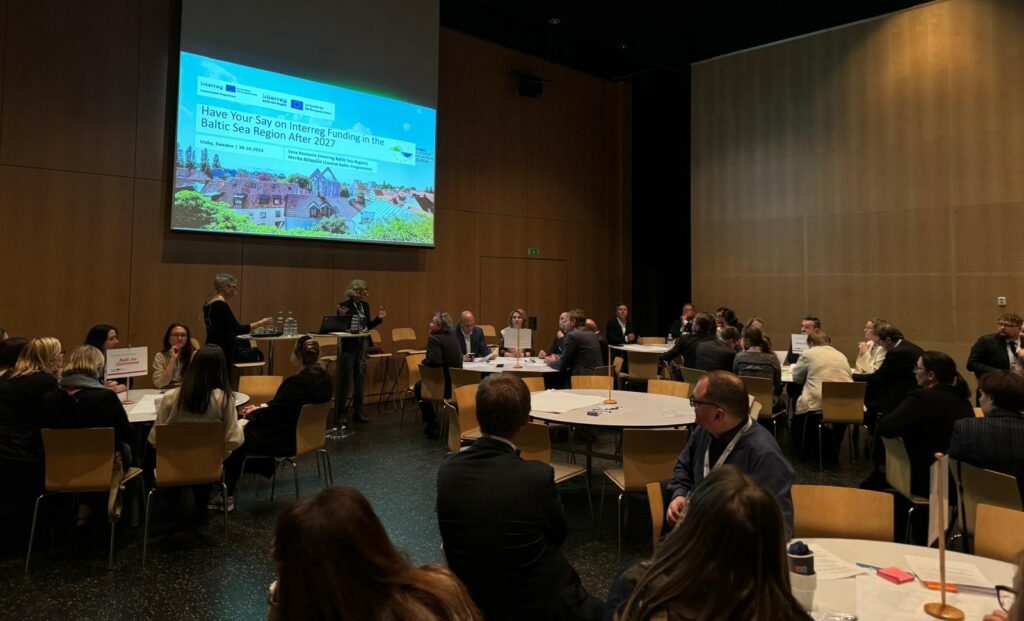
<point>940,609</point>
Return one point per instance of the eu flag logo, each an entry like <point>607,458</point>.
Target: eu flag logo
<point>229,88</point>
<point>297,104</point>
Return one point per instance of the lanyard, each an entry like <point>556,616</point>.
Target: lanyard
<point>728,449</point>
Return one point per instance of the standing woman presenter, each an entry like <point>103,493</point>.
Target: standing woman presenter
<point>352,358</point>
<point>221,326</point>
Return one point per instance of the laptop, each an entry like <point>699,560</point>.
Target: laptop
<point>334,323</point>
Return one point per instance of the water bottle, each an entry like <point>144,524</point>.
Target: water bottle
<point>279,323</point>
<point>288,324</point>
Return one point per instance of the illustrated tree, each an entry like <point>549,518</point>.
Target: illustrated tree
<point>216,161</point>
<point>299,179</point>
<point>190,158</point>
<point>331,224</point>
<point>204,161</point>
<point>178,160</point>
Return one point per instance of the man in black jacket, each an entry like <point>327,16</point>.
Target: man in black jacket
<point>998,351</point>
<point>894,379</point>
<point>581,349</point>
<point>718,354</point>
<point>502,521</point>
<point>442,351</point>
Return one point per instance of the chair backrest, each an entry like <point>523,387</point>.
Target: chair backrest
<point>842,512</point>
<point>311,430</point>
<point>260,388</point>
<point>649,455</point>
<point>643,365</point>
<point>763,391</point>
<point>465,397</point>
<point>1000,533</point>
<point>648,340</point>
<point>657,505</point>
<point>196,345</point>
<point>328,344</point>
<point>454,432</point>
<point>617,363</point>
<point>979,413</point>
<point>412,367</point>
<point>78,460</point>
<point>591,382</point>
<point>842,402</point>
<point>189,453</point>
<point>535,384</point>
<point>897,466</point>
<point>489,332</point>
<point>403,337</point>
<point>463,377</point>
<point>534,442</point>
<point>983,486</point>
<point>606,370</point>
<point>668,387</point>
<point>692,376</point>
<point>432,383</point>
<point>375,338</point>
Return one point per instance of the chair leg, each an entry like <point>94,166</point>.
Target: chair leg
<point>821,449</point>
<point>110,556</point>
<point>145,528</point>
<point>619,515</point>
<point>224,490</point>
<point>590,497</point>
<point>330,472</point>
<point>295,475</point>
<point>600,512</point>
<point>32,532</point>
<point>273,482</point>
<point>906,534</point>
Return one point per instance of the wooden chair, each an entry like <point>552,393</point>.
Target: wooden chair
<point>310,437</point>
<point>412,367</point>
<point>384,360</point>
<point>260,388</point>
<point>490,334</point>
<point>842,512</point>
<point>763,391</point>
<point>1000,533</point>
<point>432,390</point>
<point>648,340</point>
<point>591,382</point>
<point>897,475</point>
<point>463,377</point>
<point>841,402</point>
<point>187,454</point>
<point>692,376</point>
<point>983,486</point>
<point>979,413</point>
<point>82,461</point>
<point>327,344</point>
<point>535,384</point>
<point>648,455</point>
<point>668,387</point>
<point>404,341</point>
<point>261,365</point>
<point>465,398</point>
<point>643,367</point>
<point>534,442</point>
<point>657,506</point>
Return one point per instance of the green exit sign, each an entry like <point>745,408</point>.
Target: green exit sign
<point>533,252</point>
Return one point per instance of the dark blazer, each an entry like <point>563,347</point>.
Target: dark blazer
<point>89,407</point>
<point>21,405</point>
<point>271,430</point>
<point>679,328</point>
<point>349,307</point>
<point>503,525</point>
<point>995,442</point>
<point>581,353</point>
<point>477,341</point>
<point>888,386</point>
<point>714,355</point>
<point>443,351</point>
<point>925,421</point>
<point>686,346</point>
<point>222,328</point>
<point>614,333</point>
<point>988,354</point>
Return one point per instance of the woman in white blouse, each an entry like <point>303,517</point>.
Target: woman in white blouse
<point>869,353</point>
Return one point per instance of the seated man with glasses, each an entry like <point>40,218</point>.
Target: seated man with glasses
<point>725,434</point>
<point>1000,350</point>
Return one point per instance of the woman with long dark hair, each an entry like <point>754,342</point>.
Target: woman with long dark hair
<point>171,363</point>
<point>104,337</point>
<point>335,561</point>
<point>725,560</point>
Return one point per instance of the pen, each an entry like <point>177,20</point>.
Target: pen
<point>866,566</point>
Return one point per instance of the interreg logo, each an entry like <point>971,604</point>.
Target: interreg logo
<point>229,88</point>
<point>297,104</point>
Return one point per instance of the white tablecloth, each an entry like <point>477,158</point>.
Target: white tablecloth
<point>634,409</point>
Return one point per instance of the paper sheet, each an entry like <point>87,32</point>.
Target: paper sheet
<point>559,402</point>
<point>828,566</point>
<point>957,572</point>
<point>879,600</point>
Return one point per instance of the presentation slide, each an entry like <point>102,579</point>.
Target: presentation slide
<point>262,153</point>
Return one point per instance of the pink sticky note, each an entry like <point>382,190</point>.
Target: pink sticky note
<point>895,575</point>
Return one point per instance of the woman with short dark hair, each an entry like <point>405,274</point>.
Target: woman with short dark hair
<point>725,560</point>
<point>335,561</point>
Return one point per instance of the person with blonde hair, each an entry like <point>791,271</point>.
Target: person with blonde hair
<point>334,560</point>
<point>516,320</point>
<point>35,373</point>
<point>352,357</point>
<point>222,328</point>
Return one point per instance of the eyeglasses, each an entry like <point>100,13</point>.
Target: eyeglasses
<point>695,402</point>
<point>178,335</point>
<point>1006,597</point>
<point>1003,324</point>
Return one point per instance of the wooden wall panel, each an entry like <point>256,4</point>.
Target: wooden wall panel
<point>502,288</point>
<point>896,149</point>
<point>154,131</point>
<point>71,88</point>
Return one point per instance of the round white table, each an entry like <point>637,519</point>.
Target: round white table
<point>145,406</point>
<point>633,410</point>
<point>270,341</point>
<point>651,349</point>
<point>841,595</point>
<point>529,365</point>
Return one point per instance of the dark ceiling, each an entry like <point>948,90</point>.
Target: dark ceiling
<point>628,39</point>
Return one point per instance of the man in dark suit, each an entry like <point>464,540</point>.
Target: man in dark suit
<point>996,441</point>
<point>581,349</point>
<point>502,521</point>
<point>601,340</point>
<point>718,354</point>
<point>686,345</point>
<point>683,325</point>
<point>442,351</point>
<point>471,339</point>
<point>997,351</point>
<point>894,379</point>
<point>620,331</point>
